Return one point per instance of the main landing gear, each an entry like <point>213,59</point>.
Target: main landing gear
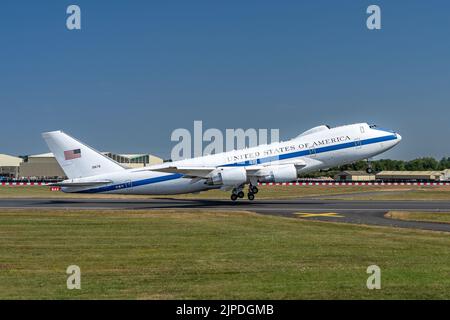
<point>369,169</point>
<point>238,193</point>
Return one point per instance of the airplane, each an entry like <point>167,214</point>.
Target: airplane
<point>321,147</point>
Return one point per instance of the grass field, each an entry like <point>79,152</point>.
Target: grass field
<point>266,192</point>
<point>204,255</point>
<point>441,217</point>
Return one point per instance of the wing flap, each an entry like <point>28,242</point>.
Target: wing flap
<point>201,172</point>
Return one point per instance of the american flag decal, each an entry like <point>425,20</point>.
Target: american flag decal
<point>72,154</point>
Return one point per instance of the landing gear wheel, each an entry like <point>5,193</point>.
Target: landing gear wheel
<point>234,197</point>
<point>254,189</point>
<point>251,196</point>
<point>369,169</point>
<point>241,194</point>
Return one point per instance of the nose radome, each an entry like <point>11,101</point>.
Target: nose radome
<point>399,137</point>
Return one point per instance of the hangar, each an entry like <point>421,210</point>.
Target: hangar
<point>394,176</point>
<point>41,166</point>
<point>354,176</point>
<point>9,166</point>
<point>45,166</point>
<point>414,175</point>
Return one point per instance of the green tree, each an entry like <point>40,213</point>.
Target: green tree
<point>426,163</point>
<point>444,163</point>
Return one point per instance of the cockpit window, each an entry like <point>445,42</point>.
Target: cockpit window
<point>372,126</point>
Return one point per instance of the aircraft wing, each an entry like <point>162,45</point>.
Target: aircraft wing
<point>205,172</point>
<point>201,172</point>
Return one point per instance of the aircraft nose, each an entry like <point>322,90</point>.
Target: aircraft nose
<point>399,137</point>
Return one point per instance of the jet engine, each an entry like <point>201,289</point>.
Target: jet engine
<point>228,177</point>
<point>280,173</point>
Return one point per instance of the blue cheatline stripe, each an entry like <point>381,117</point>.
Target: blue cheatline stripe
<point>308,152</point>
<point>296,154</point>
<point>122,186</point>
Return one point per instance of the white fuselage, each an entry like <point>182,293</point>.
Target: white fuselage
<point>317,149</point>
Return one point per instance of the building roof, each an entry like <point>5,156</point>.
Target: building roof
<point>128,156</point>
<point>42,155</point>
<point>9,161</point>
<point>51,155</point>
<point>410,173</point>
<point>355,173</point>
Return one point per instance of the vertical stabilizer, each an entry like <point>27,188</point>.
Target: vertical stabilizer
<point>77,159</point>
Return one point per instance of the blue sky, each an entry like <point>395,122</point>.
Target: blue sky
<point>140,69</point>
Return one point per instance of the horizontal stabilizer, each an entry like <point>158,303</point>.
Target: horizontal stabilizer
<point>80,184</point>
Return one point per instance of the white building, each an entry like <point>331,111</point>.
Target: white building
<point>9,166</point>
<point>446,175</point>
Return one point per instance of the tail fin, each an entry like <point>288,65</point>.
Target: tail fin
<point>77,159</point>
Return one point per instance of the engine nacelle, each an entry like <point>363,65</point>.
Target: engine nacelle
<point>280,173</point>
<point>228,177</point>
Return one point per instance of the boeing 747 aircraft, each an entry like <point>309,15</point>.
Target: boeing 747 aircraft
<point>321,147</point>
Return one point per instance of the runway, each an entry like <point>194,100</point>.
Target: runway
<point>358,212</point>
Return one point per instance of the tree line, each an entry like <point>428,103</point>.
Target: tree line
<point>419,164</point>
